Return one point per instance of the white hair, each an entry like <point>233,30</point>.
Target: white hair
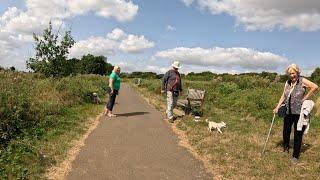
<point>116,68</point>
<point>293,67</point>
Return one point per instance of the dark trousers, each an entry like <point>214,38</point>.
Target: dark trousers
<point>287,125</point>
<point>112,100</point>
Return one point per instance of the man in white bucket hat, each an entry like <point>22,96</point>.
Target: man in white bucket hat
<point>171,84</point>
<point>176,65</point>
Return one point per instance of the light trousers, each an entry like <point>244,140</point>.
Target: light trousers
<point>171,104</point>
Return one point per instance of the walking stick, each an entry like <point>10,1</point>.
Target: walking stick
<point>265,144</point>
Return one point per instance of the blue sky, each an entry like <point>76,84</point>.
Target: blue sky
<point>146,35</point>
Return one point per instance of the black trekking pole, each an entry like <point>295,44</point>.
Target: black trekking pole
<point>265,144</point>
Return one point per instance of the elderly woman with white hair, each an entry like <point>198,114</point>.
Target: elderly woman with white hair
<point>296,90</point>
<point>114,85</point>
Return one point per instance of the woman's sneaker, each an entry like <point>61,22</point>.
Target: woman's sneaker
<point>294,160</point>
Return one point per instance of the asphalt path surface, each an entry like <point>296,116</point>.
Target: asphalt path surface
<point>137,144</point>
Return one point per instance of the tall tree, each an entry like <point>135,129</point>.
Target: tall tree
<point>51,54</point>
<point>95,65</point>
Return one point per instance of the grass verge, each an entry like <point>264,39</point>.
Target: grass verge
<point>236,154</point>
<point>29,158</point>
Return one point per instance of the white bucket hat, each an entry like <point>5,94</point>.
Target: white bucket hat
<point>176,64</point>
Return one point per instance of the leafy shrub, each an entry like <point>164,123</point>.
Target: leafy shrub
<point>203,76</point>
<point>227,88</point>
<point>315,76</point>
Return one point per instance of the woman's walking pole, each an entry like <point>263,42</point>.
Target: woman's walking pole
<point>265,144</point>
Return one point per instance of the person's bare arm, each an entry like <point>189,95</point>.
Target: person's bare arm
<point>111,84</point>
<point>281,100</point>
<point>312,88</point>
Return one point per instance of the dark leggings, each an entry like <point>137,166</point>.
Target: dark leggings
<point>112,100</point>
<point>287,125</point>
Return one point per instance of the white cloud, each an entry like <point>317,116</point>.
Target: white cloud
<point>122,10</point>
<point>115,40</point>
<point>116,34</point>
<point>49,9</point>
<point>5,52</point>
<point>268,15</point>
<point>95,46</point>
<point>170,28</point>
<point>225,57</point>
<point>8,15</point>
<point>6,43</point>
<point>11,50</point>
<point>36,17</point>
<point>17,26</point>
<point>135,44</point>
<point>187,2</point>
<point>25,24</point>
<point>38,13</point>
<point>18,60</point>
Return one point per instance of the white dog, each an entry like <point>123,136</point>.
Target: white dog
<point>218,126</point>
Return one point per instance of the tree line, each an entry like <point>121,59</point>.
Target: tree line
<point>208,76</point>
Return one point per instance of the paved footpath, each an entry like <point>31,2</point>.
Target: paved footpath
<point>137,144</point>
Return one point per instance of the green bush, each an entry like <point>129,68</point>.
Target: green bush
<point>315,76</point>
<point>227,88</point>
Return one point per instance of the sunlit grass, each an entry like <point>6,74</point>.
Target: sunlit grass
<point>40,117</point>
<point>236,154</point>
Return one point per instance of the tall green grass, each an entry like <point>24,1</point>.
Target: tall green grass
<point>247,95</point>
<point>35,110</point>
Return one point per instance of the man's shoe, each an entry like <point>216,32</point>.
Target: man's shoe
<point>294,160</point>
<point>170,120</point>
